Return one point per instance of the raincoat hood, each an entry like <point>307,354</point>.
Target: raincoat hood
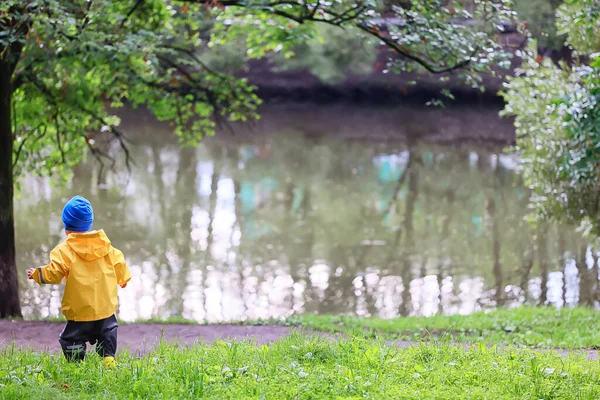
<point>89,245</point>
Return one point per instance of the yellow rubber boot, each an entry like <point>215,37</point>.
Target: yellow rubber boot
<point>110,362</point>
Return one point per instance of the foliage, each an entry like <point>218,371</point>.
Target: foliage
<point>557,118</point>
<point>431,36</point>
<point>332,53</point>
<point>568,328</point>
<point>84,58</point>
<point>578,19</point>
<point>438,35</point>
<point>80,58</point>
<point>305,368</point>
<point>539,17</point>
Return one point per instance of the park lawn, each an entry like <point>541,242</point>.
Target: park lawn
<point>542,327</point>
<point>304,367</point>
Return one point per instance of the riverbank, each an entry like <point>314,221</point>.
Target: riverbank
<point>455,124</point>
<point>375,89</point>
<point>538,327</point>
<point>378,86</point>
<point>534,327</point>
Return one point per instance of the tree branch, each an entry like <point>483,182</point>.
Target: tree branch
<point>18,153</point>
<point>336,18</point>
<point>15,48</point>
<point>86,20</point>
<point>135,7</point>
<point>100,156</point>
<point>193,57</point>
<point>116,132</point>
<point>58,142</point>
<point>404,53</point>
<point>195,86</point>
<point>314,10</point>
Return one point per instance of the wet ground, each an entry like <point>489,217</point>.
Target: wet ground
<point>141,338</point>
<point>138,338</point>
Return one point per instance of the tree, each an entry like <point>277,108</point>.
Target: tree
<point>332,54</point>
<point>557,114</point>
<point>538,16</point>
<point>64,65</point>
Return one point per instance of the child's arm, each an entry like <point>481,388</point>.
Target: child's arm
<point>121,268</point>
<point>52,273</point>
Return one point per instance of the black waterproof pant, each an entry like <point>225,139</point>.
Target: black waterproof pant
<point>103,333</point>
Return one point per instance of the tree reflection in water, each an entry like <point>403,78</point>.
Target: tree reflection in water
<point>273,225</point>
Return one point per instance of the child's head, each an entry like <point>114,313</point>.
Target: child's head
<point>78,215</point>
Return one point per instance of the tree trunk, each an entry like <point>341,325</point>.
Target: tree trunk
<point>496,250</point>
<point>543,257</point>
<point>409,240</point>
<point>9,286</point>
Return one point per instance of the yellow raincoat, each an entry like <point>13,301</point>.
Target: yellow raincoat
<point>92,269</point>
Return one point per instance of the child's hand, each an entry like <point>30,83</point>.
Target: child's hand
<point>30,272</point>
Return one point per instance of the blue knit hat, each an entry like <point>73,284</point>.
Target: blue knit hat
<point>78,215</point>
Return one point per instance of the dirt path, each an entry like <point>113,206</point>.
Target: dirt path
<point>140,338</point>
<point>137,338</point>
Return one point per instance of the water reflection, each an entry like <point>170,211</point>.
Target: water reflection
<point>246,228</point>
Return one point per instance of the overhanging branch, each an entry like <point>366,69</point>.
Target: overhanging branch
<point>20,148</point>
<point>306,12</point>
<point>98,118</point>
<point>406,54</point>
<point>137,4</point>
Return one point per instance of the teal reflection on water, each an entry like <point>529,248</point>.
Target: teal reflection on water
<point>276,224</point>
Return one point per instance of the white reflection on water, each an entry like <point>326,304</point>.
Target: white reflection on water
<point>303,227</point>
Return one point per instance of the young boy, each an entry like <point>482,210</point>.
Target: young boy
<point>92,269</point>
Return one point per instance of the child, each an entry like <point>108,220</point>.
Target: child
<point>92,269</point>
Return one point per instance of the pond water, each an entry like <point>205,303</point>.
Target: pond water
<point>367,212</point>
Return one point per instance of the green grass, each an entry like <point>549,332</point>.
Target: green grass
<point>304,367</point>
<point>541,327</point>
<point>527,326</point>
